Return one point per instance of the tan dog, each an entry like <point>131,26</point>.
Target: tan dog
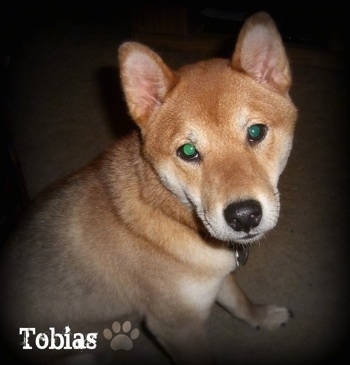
<point>151,227</point>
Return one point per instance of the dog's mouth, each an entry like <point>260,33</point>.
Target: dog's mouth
<point>249,236</point>
<point>247,239</point>
<point>230,236</point>
<point>242,240</point>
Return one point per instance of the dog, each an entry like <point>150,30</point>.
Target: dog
<point>157,225</point>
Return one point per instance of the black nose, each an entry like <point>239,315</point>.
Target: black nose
<point>243,215</point>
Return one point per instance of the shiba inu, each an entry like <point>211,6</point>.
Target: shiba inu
<point>154,226</point>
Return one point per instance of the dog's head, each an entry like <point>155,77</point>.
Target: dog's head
<point>218,132</point>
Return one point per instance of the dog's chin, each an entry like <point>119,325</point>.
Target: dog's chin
<point>238,237</point>
<point>220,231</point>
<point>248,238</point>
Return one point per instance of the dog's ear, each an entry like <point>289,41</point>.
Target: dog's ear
<point>260,53</point>
<point>145,78</point>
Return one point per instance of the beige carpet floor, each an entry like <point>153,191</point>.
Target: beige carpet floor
<point>65,108</point>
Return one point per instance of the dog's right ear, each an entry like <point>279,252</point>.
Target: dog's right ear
<point>145,78</point>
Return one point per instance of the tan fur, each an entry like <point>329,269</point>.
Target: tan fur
<point>141,231</point>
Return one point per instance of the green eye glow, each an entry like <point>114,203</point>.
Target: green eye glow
<point>256,132</point>
<point>188,151</point>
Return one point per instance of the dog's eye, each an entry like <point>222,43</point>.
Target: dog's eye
<point>256,132</point>
<point>188,152</point>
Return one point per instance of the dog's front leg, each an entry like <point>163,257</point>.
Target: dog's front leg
<point>185,341</point>
<point>233,299</point>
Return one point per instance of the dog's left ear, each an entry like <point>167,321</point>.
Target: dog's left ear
<point>260,53</point>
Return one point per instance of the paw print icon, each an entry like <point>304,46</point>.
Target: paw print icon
<point>121,335</point>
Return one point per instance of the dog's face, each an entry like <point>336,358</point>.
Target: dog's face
<point>218,132</point>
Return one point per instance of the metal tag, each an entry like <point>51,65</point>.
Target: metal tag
<point>242,253</point>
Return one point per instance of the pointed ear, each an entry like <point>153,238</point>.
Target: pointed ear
<point>146,80</point>
<point>260,53</point>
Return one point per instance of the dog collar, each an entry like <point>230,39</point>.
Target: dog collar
<point>241,253</point>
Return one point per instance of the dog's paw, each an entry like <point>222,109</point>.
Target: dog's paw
<point>270,316</point>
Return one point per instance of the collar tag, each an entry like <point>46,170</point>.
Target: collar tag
<point>241,252</point>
